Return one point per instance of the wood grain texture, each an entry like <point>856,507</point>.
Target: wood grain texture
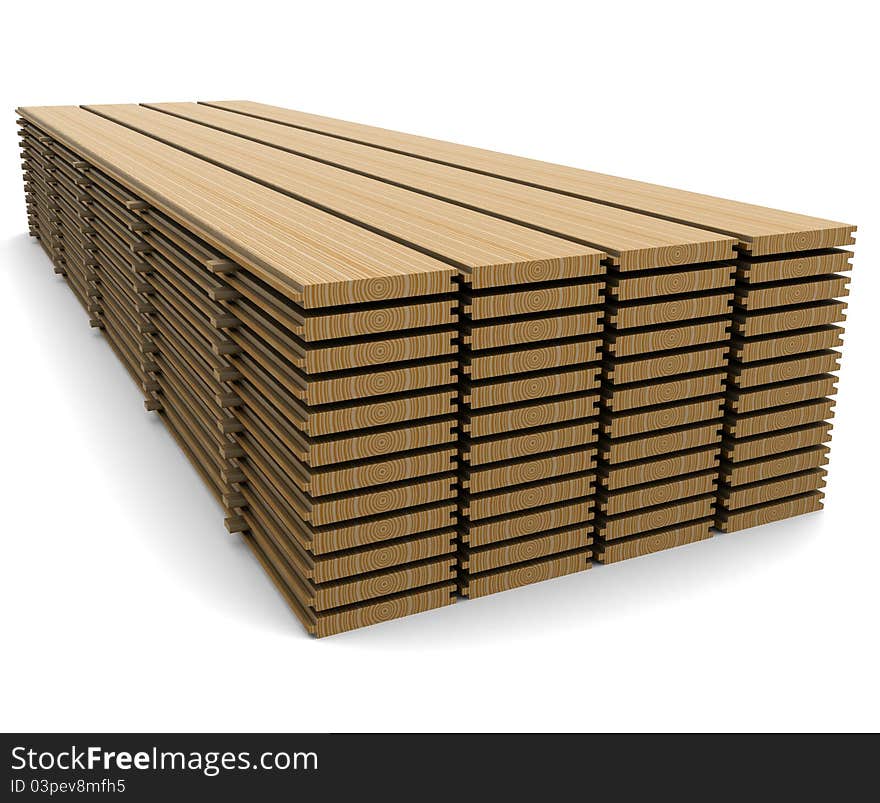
<point>481,585</point>
<point>627,287</point>
<point>729,522</point>
<point>477,365</point>
<point>395,372</point>
<point>764,468</point>
<point>555,382</point>
<point>315,258</point>
<point>801,317</point>
<point>743,426</point>
<point>672,310</point>
<point>487,478</point>
<point>504,420</point>
<point>623,343</point>
<point>526,497</point>
<point>357,588</point>
<point>318,597</point>
<point>760,230</point>
<point>371,559</point>
<point>160,304</point>
<point>647,544</point>
<point>531,300</point>
<point>534,442</point>
<point>524,549</point>
<point>784,369</point>
<point>640,447</point>
<point>632,240</point>
<point>751,399</point>
<point>663,392</point>
<point>767,347</point>
<point>770,490</point>
<point>671,364</point>
<point>644,471</point>
<point>785,441</point>
<point>612,503</point>
<point>354,616</point>
<point>784,294</point>
<point>545,327</point>
<point>532,522</point>
<point>792,266</point>
<point>619,425</point>
<point>473,241</point>
<point>654,518</point>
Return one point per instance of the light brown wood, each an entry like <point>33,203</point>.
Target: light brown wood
<point>315,258</point>
<point>401,374</point>
<point>477,243</point>
<point>634,241</point>
<point>640,545</point>
<point>760,229</point>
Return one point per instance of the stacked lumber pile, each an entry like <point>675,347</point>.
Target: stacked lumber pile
<point>530,321</point>
<point>666,335</point>
<point>784,329</point>
<point>642,508</point>
<point>780,381</point>
<point>407,368</point>
<point>321,416</point>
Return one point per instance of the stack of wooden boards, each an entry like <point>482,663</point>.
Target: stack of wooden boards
<point>408,368</point>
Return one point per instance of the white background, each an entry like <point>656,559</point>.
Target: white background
<point>126,605</point>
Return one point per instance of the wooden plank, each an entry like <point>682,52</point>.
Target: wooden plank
<point>672,310</point>
<point>509,446</point>
<point>647,394</point>
<point>792,266</point>
<point>629,287</point>
<point>752,399</point>
<point>525,549</point>
<point>784,441</point>
<point>654,518</point>
<point>633,241</point>
<point>497,421</point>
<point>645,471</point>
<point>764,468</point>
<point>547,326</point>
<point>529,469</point>
<point>506,501</point>
<point>673,363</point>
<point>788,293</point>
<point>530,522</point>
<point>354,616</point>
<point>311,256</point>
<point>787,319</point>
<point>786,344</point>
<point>480,585</point>
<point>618,425</point>
<point>479,244</point>
<point>534,386</point>
<point>784,369</point>
<point>760,230</point>
<point>772,489</point>
<point>625,343</point>
<point>640,447</point>
<point>649,543</point>
<point>809,412</point>
<point>729,522</point>
<point>657,493</point>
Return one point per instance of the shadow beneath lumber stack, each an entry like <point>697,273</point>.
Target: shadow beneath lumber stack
<point>176,518</point>
<point>172,514</point>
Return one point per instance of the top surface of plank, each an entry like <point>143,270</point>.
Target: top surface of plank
<point>311,256</point>
<point>632,240</point>
<point>494,252</point>
<point>761,230</point>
